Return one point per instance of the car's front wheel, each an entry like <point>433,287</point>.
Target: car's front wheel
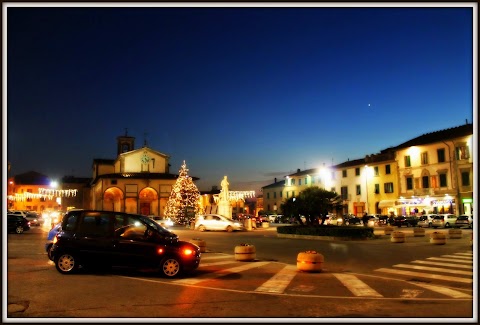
<point>66,263</point>
<point>19,230</point>
<point>49,252</point>
<point>229,229</point>
<point>170,267</point>
<point>202,228</point>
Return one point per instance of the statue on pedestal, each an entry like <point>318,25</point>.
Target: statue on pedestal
<point>224,207</point>
<point>224,192</point>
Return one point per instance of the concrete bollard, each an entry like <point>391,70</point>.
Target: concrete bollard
<point>388,230</point>
<point>418,232</point>
<point>310,261</point>
<point>245,252</point>
<point>455,233</point>
<point>200,243</point>
<point>437,238</point>
<point>397,237</point>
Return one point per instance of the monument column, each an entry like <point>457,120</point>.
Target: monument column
<point>224,207</point>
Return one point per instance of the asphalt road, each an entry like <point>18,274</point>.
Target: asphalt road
<point>361,280</point>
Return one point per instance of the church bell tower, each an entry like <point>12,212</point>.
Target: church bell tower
<point>125,143</point>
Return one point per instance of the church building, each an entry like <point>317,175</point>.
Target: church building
<point>137,181</point>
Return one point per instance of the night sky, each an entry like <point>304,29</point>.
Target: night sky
<point>251,93</point>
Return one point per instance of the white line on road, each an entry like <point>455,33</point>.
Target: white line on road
<point>279,281</point>
<point>448,260</point>
<point>215,263</point>
<point>460,257</point>
<point>445,291</point>
<point>426,275</point>
<point>221,273</point>
<point>356,286</point>
<point>436,269</point>
<point>460,266</point>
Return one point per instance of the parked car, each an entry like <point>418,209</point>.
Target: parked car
<point>216,222</point>
<point>382,219</point>
<point>93,238</point>
<point>51,235</point>
<point>400,221</point>
<point>425,221</point>
<point>34,218</point>
<point>17,223</point>
<point>373,221</point>
<point>444,220</point>
<point>351,220</point>
<point>464,220</point>
<point>412,221</point>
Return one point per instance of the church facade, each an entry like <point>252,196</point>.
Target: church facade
<point>137,181</point>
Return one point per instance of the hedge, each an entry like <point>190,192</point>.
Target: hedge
<point>327,230</point>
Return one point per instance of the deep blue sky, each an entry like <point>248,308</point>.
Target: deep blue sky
<point>251,93</point>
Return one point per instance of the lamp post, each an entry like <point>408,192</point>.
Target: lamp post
<point>366,186</point>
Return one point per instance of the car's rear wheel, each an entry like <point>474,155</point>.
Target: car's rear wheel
<point>19,230</point>
<point>229,229</point>
<point>170,267</point>
<point>66,263</point>
<point>202,228</point>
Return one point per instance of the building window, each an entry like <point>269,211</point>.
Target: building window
<point>359,191</point>
<point>377,188</point>
<point>465,178</point>
<point>441,155</point>
<point>281,194</point>
<point>292,181</point>
<point>306,180</point>
<point>387,169</point>
<point>313,180</point>
<point>293,193</point>
<point>268,195</point>
<point>425,182</point>
<point>409,181</point>
<point>443,180</point>
<point>299,181</point>
<point>375,170</point>
<point>114,182</point>
<point>344,173</point>
<point>288,192</point>
<point>461,152</point>
<point>388,187</point>
<point>407,161</point>
<point>424,158</point>
<point>357,171</point>
<point>274,195</point>
<point>344,193</point>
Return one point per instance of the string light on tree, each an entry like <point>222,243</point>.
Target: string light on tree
<point>184,200</point>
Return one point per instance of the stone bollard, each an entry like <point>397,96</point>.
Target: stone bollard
<point>248,224</point>
<point>455,233</point>
<point>245,252</point>
<point>200,243</point>
<point>437,238</point>
<point>310,261</point>
<point>397,237</point>
<point>388,230</point>
<point>418,232</point>
<point>265,224</point>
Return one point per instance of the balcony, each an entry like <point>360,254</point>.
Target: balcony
<point>421,191</point>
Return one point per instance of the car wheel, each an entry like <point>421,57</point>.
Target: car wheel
<point>202,228</point>
<point>19,230</point>
<point>229,229</point>
<point>429,225</point>
<point>170,267</point>
<point>49,252</point>
<point>447,225</point>
<point>66,263</point>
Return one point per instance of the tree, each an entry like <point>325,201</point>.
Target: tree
<point>183,202</point>
<point>312,203</point>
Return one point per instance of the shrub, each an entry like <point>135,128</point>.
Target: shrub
<point>328,230</point>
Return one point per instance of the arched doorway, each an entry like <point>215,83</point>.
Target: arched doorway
<point>112,199</point>
<point>148,202</point>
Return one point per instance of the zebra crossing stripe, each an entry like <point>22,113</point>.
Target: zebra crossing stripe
<point>215,263</point>
<point>436,269</point>
<point>426,275</point>
<point>279,281</point>
<point>215,257</point>
<point>220,273</point>
<point>460,266</point>
<point>460,257</point>
<point>448,260</point>
<point>443,290</point>
<point>467,253</point>
<point>356,286</point>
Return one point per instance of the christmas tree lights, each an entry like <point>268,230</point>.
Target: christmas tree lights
<point>184,200</point>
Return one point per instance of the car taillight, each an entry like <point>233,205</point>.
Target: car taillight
<point>160,250</point>
<point>55,240</point>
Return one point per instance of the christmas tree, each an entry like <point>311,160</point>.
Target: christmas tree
<point>184,199</point>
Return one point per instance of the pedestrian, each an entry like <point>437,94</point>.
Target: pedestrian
<point>365,219</point>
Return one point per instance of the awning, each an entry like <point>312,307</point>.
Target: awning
<point>386,203</point>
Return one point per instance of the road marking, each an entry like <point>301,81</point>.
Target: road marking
<point>448,260</point>
<point>436,269</point>
<point>461,266</point>
<point>279,281</point>
<point>356,286</point>
<point>410,293</point>
<point>215,263</point>
<point>445,291</point>
<point>467,253</point>
<point>425,275</point>
<point>460,257</point>
<point>215,257</point>
<point>221,273</point>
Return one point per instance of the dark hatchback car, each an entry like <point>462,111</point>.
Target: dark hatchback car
<point>17,223</point>
<point>350,220</point>
<point>401,221</point>
<point>104,239</point>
